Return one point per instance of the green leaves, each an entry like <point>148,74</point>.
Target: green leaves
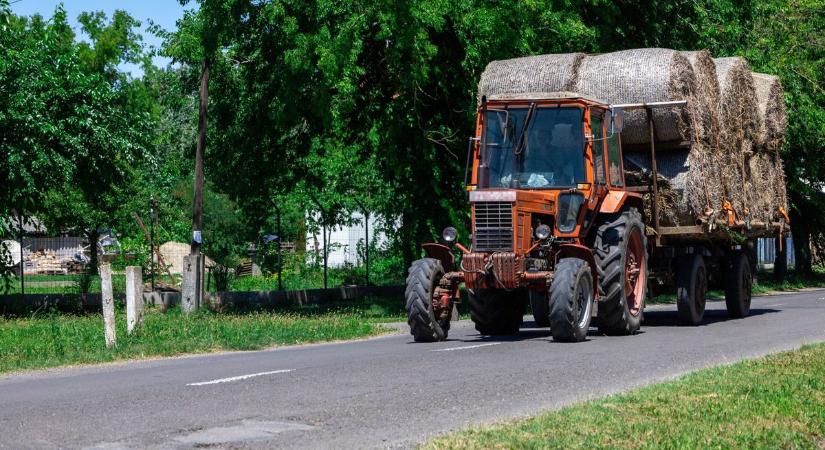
<point>69,135</point>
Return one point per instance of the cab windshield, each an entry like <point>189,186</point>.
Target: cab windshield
<point>551,155</point>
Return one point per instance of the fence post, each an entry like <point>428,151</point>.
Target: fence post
<point>189,300</point>
<point>134,298</point>
<point>108,302</point>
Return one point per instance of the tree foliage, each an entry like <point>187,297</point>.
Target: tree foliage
<point>334,106</point>
<point>68,139</point>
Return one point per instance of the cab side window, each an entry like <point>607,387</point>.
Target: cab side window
<point>598,148</point>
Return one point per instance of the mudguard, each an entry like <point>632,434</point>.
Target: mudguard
<point>616,200</point>
<point>585,253</point>
<point>442,253</point>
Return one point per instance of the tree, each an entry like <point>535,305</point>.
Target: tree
<point>69,140</point>
<point>359,98</point>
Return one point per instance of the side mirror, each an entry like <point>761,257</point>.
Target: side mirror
<point>616,119</point>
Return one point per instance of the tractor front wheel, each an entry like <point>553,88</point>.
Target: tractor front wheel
<point>426,323</point>
<point>571,300</point>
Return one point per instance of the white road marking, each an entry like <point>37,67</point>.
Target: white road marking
<point>774,305</point>
<point>465,347</point>
<point>239,377</point>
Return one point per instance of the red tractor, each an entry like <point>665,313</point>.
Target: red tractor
<point>554,225</point>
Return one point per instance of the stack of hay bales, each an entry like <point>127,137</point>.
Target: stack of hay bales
<point>723,146</point>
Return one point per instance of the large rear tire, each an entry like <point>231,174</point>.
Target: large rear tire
<point>540,306</point>
<point>571,300</point>
<point>738,286</point>
<point>497,312</point>
<point>691,289</point>
<point>620,251</point>
<point>424,275</point>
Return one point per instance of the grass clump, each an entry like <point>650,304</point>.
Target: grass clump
<point>50,340</point>
<point>772,402</point>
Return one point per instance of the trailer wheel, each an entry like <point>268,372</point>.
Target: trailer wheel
<point>497,312</point>
<point>540,305</point>
<point>738,286</point>
<point>620,251</point>
<point>571,300</point>
<point>424,275</point>
<point>691,289</point>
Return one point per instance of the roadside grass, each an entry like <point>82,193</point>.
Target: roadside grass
<point>773,402</point>
<point>51,340</point>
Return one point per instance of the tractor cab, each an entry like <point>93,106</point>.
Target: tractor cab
<point>554,156</point>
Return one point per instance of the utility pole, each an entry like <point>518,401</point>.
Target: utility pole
<point>192,285</point>
<point>197,207</point>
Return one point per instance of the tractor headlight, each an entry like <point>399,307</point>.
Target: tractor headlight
<point>569,205</point>
<point>542,232</point>
<point>449,235</point>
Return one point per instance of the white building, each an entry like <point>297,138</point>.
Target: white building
<point>343,240</point>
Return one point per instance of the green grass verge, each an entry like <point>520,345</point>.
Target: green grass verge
<point>772,402</point>
<point>52,340</point>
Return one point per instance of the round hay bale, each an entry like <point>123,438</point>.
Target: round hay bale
<point>760,180</point>
<point>780,188</point>
<point>704,188</point>
<point>707,96</point>
<point>542,73</point>
<point>738,108</point>
<point>769,95</point>
<point>643,75</point>
<point>739,125</point>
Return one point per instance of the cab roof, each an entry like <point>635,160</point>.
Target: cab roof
<point>560,95</point>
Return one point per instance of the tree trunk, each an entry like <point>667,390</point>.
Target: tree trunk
<point>801,235</point>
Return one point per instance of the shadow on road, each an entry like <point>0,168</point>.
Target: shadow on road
<point>530,331</point>
<point>671,318</point>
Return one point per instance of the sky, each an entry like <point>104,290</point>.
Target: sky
<point>163,12</point>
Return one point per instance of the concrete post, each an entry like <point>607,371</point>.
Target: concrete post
<point>108,300</point>
<point>134,297</point>
<point>191,285</point>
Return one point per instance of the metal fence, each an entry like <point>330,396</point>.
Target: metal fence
<point>766,252</point>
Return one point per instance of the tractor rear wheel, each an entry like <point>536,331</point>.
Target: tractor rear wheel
<point>425,326</point>
<point>620,251</point>
<point>571,300</point>
<point>691,289</point>
<point>738,286</point>
<point>540,305</point>
<point>497,312</point>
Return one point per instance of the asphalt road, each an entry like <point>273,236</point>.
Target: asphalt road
<point>384,392</point>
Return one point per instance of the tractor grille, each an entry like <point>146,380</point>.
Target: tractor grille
<point>493,227</point>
